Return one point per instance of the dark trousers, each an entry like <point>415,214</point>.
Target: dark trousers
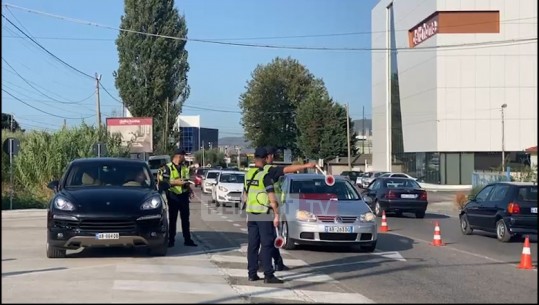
<point>178,203</point>
<point>261,236</point>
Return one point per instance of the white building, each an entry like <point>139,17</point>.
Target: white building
<point>442,73</point>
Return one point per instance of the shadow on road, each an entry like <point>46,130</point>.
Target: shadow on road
<point>6,274</point>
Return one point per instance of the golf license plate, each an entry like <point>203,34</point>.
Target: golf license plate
<point>338,229</point>
<point>534,210</point>
<point>107,236</point>
<point>409,196</point>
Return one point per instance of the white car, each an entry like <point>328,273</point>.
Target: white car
<point>210,180</point>
<point>397,175</point>
<point>229,188</point>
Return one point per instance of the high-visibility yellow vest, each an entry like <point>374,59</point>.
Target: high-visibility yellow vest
<point>257,197</point>
<point>175,174</point>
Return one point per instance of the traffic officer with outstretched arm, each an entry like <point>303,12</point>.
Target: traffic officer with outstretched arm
<point>176,174</point>
<point>263,213</point>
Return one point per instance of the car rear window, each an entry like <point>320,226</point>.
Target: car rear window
<point>202,171</point>
<point>527,193</point>
<point>212,175</point>
<point>156,163</point>
<point>401,183</point>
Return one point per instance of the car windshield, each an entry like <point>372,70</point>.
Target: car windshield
<point>156,163</point>
<point>231,178</point>
<point>99,174</point>
<point>318,189</point>
<point>527,193</point>
<point>202,171</point>
<point>212,175</point>
<point>400,183</point>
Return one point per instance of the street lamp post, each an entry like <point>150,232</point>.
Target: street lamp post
<point>503,137</point>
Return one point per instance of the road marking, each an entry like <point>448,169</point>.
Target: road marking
<point>394,255</point>
<point>242,259</point>
<point>244,229</point>
<point>286,275</point>
<point>237,225</point>
<point>223,290</point>
<point>230,220</point>
<point>224,217</point>
<point>168,269</point>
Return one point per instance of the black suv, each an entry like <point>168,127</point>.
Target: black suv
<point>506,208</point>
<point>102,202</point>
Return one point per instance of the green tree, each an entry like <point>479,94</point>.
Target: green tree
<point>270,101</point>
<point>8,124</point>
<point>152,74</point>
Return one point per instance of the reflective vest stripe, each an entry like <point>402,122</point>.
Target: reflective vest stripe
<point>174,174</point>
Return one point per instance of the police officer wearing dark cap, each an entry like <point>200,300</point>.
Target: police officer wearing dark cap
<point>179,193</point>
<point>263,213</point>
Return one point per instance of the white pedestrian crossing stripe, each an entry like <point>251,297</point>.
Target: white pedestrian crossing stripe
<point>206,274</point>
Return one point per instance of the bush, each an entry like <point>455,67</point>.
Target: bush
<point>44,156</point>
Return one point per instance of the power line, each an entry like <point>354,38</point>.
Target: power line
<point>39,91</point>
<point>43,111</point>
<point>488,43</point>
<point>45,49</point>
<point>108,93</point>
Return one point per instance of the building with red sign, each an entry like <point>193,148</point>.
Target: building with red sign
<point>454,86</point>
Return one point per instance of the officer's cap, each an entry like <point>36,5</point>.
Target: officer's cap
<point>271,150</point>
<point>179,151</point>
<point>261,152</point>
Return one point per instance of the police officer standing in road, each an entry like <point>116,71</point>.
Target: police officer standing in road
<point>260,201</point>
<point>277,258</point>
<point>179,193</point>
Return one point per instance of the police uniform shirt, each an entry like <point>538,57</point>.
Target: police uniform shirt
<point>166,174</point>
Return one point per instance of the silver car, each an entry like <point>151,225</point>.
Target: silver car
<point>312,212</point>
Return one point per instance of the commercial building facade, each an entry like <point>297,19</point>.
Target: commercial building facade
<point>443,74</point>
<point>193,137</point>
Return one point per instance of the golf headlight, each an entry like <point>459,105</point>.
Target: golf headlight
<point>63,204</point>
<point>305,216</point>
<point>223,189</point>
<point>152,203</point>
<point>367,217</point>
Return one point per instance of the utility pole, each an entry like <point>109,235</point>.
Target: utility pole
<point>238,150</point>
<point>11,123</point>
<point>203,161</point>
<point>65,123</point>
<point>165,130</point>
<point>503,137</point>
<point>348,136</point>
<point>363,133</point>
<point>97,100</point>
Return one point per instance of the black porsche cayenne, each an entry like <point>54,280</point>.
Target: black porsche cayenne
<point>106,202</point>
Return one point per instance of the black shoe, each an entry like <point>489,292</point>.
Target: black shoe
<point>254,278</point>
<point>190,243</point>
<point>170,244</point>
<point>281,267</point>
<point>273,280</point>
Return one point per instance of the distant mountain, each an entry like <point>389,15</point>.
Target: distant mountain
<point>233,141</point>
<point>358,126</point>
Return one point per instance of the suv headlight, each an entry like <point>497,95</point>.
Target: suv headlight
<point>152,203</point>
<point>223,189</point>
<point>367,217</point>
<point>63,204</point>
<point>305,216</point>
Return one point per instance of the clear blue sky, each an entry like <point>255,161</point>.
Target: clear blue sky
<point>218,73</point>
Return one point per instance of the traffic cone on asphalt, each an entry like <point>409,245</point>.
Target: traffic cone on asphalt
<point>526,256</point>
<point>384,227</point>
<point>437,240</point>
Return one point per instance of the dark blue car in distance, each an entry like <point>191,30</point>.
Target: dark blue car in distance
<point>508,209</point>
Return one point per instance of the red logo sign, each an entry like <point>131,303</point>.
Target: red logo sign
<point>423,31</point>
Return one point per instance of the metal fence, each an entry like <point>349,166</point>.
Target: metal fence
<point>483,178</point>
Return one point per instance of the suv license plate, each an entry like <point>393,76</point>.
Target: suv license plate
<point>534,210</point>
<point>107,236</point>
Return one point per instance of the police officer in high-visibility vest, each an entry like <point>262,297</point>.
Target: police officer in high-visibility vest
<point>263,213</point>
<point>179,193</point>
<point>277,258</point>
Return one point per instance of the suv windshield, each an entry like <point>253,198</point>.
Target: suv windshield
<point>109,174</point>
<point>231,178</point>
<point>318,189</point>
<point>212,175</point>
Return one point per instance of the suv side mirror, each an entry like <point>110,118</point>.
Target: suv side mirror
<point>53,185</point>
<point>367,199</point>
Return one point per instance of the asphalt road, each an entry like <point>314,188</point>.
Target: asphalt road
<point>405,268</point>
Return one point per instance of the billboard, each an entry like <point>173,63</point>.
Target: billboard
<point>137,131</point>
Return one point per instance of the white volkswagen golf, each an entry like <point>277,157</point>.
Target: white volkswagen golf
<point>228,188</point>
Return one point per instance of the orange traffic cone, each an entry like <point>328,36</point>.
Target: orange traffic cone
<point>437,240</point>
<point>384,227</point>
<point>526,256</point>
